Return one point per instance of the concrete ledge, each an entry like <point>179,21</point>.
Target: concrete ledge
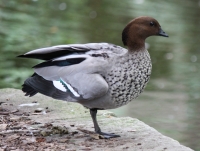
<point>135,135</point>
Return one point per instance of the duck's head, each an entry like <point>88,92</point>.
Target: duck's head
<point>135,33</point>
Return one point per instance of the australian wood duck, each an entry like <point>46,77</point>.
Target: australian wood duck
<point>97,75</point>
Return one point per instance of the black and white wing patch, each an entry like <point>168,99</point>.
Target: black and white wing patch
<point>65,87</point>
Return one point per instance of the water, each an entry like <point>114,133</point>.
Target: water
<point>171,100</point>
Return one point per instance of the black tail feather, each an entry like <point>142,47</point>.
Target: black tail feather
<point>28,90</point>
<point>36,83</point>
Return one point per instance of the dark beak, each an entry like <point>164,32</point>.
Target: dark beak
<point>162,33</point>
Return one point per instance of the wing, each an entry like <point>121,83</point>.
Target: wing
<point>72,72</point>
<point>87,87</point>
<point>81,76</point>
<point>49,53</point>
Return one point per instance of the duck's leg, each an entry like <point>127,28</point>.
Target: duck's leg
<point>93,113</point>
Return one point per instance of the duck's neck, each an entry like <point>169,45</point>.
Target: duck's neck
<point>136,45</point>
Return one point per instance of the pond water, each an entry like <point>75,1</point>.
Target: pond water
<point>170,102</point>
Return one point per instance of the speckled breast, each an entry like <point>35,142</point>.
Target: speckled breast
<point>128,78</point>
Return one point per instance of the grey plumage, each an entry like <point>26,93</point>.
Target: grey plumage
<point>96,75</point>
<point>109,76</point>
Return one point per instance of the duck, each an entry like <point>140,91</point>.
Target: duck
<point>99,76</point>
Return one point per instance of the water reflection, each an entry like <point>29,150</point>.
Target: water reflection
<point>171,101</point>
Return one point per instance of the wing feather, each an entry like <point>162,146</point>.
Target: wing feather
<point>49,53</point>
<point>85,78</point>
<point>77,66</point>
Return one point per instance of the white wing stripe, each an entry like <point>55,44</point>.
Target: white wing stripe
<point>71,89</point>
<point>71,57</point>
<point>59,86</point>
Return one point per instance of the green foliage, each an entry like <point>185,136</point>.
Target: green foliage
<point>28,25</point>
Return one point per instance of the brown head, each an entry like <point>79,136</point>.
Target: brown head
<point>135,33</point>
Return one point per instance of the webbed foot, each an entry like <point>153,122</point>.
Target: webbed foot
<point>108,135</point>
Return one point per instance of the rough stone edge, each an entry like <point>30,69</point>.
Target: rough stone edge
<point>128,127</point>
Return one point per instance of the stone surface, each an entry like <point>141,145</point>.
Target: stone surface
<point>74,119</point>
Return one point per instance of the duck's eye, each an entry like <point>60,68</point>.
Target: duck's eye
<point>152,24</point>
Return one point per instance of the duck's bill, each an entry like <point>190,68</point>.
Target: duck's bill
<point>162,33</point>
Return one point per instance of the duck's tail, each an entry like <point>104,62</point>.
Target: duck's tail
<point>28,90</point>
<point>37,84</point>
